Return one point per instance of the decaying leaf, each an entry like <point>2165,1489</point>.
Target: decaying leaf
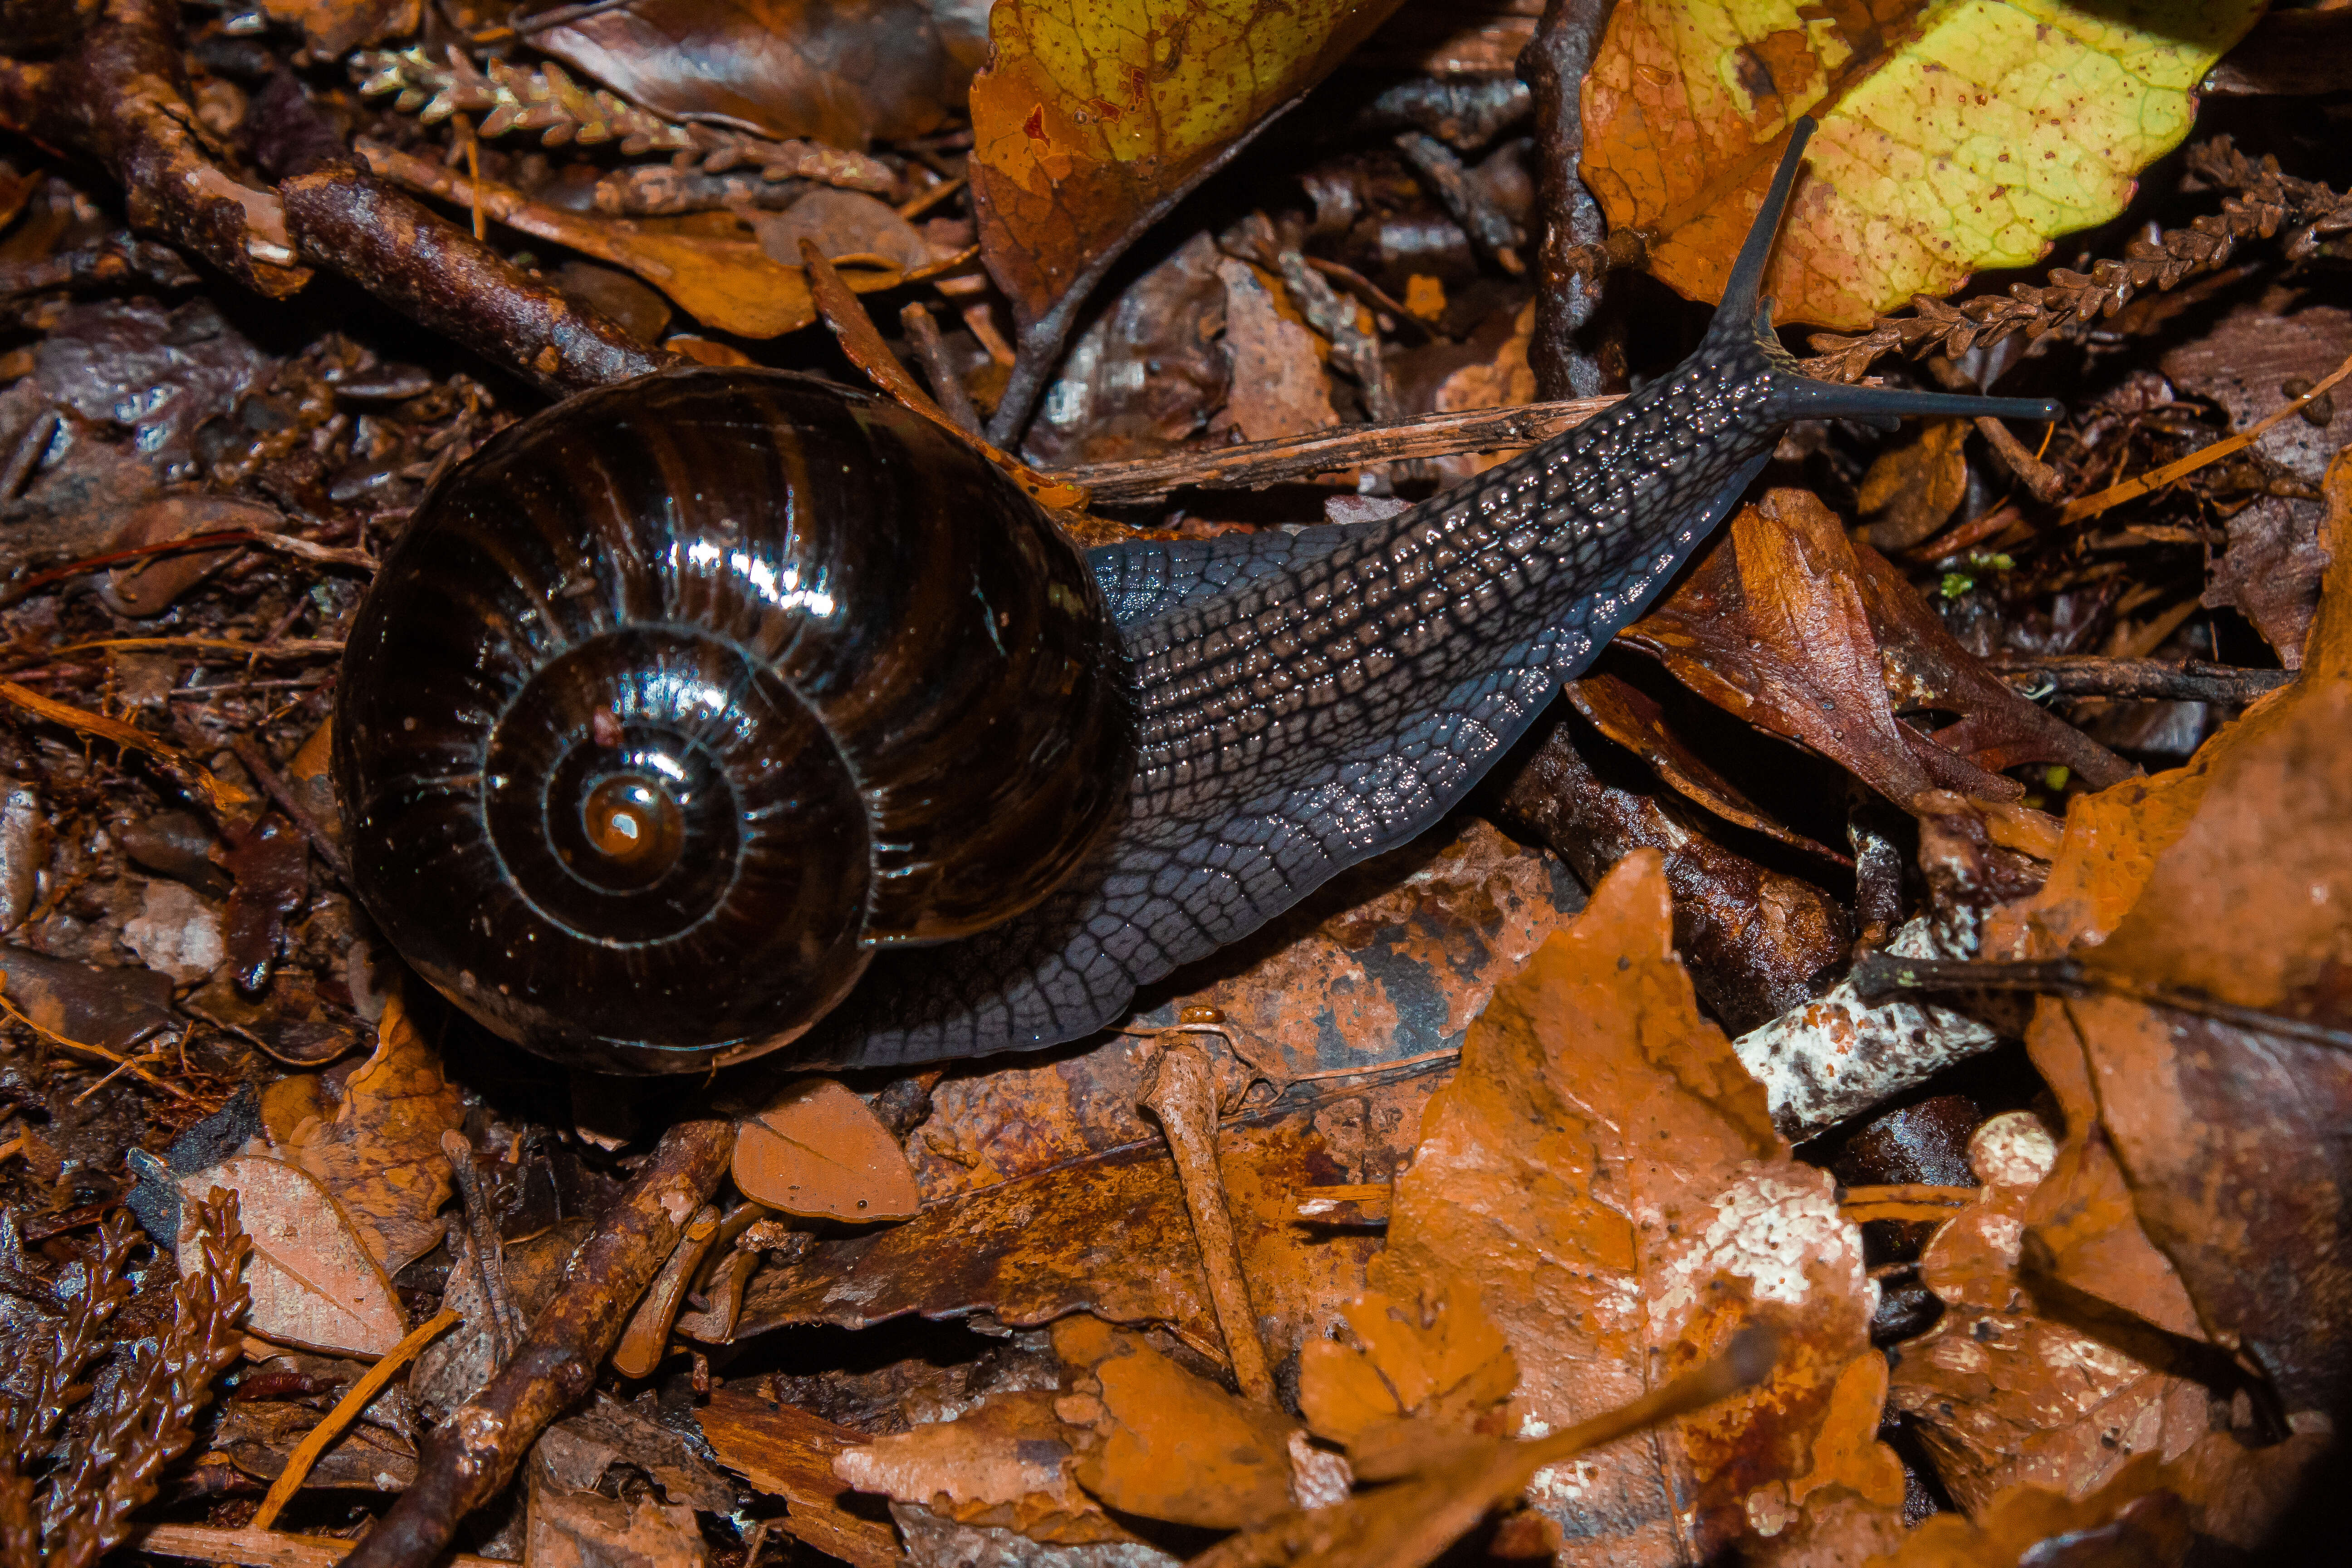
<point>380,1154</point>
<point>819,1149</point>
<point>313,1283</point>
<point>1604,1171</point>
<point>1916,484</point>
<point>2002,1395</point>
<point>1953,138</point>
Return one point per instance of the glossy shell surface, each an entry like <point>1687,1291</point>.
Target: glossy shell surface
<point>677,699</point>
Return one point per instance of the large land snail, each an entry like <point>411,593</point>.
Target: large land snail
<point>725,711</point>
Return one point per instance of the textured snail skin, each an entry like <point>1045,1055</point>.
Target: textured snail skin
<point>1269,708</point>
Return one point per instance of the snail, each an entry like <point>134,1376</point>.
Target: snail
<point>726,710</point>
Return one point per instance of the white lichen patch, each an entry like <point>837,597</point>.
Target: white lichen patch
<point>2013,1150</point>
<point>1780,1232</point>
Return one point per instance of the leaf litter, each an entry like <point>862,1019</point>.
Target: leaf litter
<point>1504,1132</point>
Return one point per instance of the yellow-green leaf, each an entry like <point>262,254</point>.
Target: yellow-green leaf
<point>1094,114</point>
<point>1955,136</point>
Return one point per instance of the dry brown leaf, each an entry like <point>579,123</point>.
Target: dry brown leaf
<point>2002,1395</point>
<point>564,1528</point>
<point>1636,720</point>
<point>381,1155</point>
<point>334,27</point>
<point>1279,386</point>
<point>788,1453</point>
<point>1914,485</point>
<point>1437,1364</point>
<point>820,1150</point>
<point>1787,645</point>
<point>842,71</point>
<point>1170,1444</point>
<point>313,1283</point>
<point>1605,1171</point>
<point>1796,630</point>
<point>1004,1465</point>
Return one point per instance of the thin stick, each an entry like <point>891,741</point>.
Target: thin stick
<point>329,855</point>
<point>347,1410</point>
<point>1184,1100</point>
<point>2091,506</point>
<point>121,1062</point>
<point>1880,975</point>
<point>227,801</point>
<point>266,1548</point>
<point>1263,463</point>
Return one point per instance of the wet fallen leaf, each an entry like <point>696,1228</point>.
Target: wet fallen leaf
<point>1789,646</point>
<point>1916,484</point>
<point>1953,138</point>
<point>1279,386</point>
<point>1636,720</point>
<point>1604,1171</point>
<point>1167,1444</point>
<point>1109,1232</point>
<point>2004,1396</point>
<point>790,1454</point>
<point>1419,1370</point>
<point>1144,374</point>
<point>335,27</point>
<point>259,1435</point>
<point>818,1149</point>
<point>841,72</point>
<point>380,1154</point>
<point>1090,120</point>
<point>313,1284</point>
<point>576,1528</point>
<point>1789,626</point>
<point>1005,1466</point>
<point>1383,968</point>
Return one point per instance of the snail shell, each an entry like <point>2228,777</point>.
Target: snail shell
<point>686,695</point>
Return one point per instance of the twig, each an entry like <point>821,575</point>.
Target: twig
<point>1491,232</point>
<point>329,853</point>
<point>115,98</point>
<point>347,1410</point>
<point>2156,479</point>
<point>471,1457</point>
<point>2192,680</point>
<point>121,1062</point>
<point>1183,1097</point>
<point>1883,974</point>
<point>1263,463</point>
<point>946,385</point>
<point>227,803</point>
<point>267,1548</point>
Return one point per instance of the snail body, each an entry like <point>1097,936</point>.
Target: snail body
<point>726,710</point>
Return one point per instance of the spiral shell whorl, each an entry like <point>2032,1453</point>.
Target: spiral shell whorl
<point>681,697</point>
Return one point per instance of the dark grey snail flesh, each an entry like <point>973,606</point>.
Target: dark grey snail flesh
<point>724,712</point>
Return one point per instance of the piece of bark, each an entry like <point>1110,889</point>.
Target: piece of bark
<point>472,1456</point>
<point>1756,941</point>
